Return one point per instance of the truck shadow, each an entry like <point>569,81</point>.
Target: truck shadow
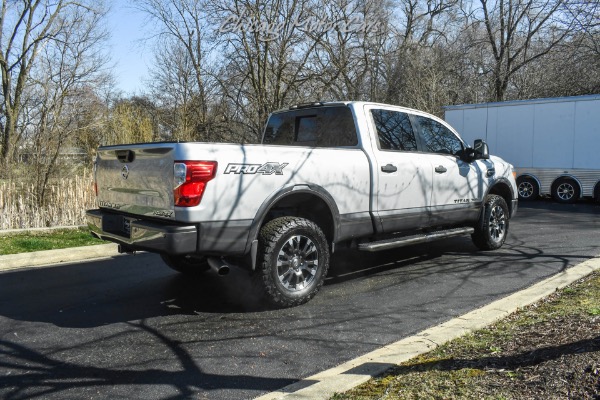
<point>129,288</point>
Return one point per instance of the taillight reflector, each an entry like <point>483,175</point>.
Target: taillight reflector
<point>190,178</point>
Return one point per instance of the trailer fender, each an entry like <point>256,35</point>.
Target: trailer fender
<point>562,192</point>
<point>567,176</point>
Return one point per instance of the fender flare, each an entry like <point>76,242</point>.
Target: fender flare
<point>567,176</point>
<point>267,205</point>
<point>506,182</point>
<point>532,176</point>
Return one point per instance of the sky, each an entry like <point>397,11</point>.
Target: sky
<point>130,57</point>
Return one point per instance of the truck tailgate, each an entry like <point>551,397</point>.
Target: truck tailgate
<point>136,179</point>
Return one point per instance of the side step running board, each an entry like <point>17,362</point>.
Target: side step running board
<point>408,240</point>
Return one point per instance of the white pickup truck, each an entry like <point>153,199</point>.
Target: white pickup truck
<point>370,175</point>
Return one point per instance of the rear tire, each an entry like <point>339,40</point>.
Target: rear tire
<point>565,191</point>
<point>186,264</point>
<point>293,261</point>
<point>492,228</point>
<point>528,188</point>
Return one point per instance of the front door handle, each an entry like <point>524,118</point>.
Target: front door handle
<point>389,168</point>
<point>441,169</point>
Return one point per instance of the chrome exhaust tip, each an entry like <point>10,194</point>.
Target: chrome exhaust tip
<point>218,266</point>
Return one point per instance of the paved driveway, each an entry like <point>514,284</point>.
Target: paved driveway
<point>129,327</point>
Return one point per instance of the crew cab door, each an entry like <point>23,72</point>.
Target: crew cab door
<point>457,185</point>
<point>402,177</point>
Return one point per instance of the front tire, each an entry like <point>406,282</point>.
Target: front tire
<point>492,228</point>
<point>294,259</point>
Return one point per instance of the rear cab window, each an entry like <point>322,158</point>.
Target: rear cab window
<point>325,126</point>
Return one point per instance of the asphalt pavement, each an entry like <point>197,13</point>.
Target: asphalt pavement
<point>129,327</point>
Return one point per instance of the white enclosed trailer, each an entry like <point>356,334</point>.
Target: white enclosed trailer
<point>553,143</point>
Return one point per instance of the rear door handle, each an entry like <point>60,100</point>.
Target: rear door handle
<point>441,169</point>
<point>389,168</point>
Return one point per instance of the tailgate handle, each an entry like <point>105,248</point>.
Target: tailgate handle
<point>125,156</point>
<point>441,169</point>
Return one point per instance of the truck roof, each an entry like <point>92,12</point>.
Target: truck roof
<point>523,102</point>
<point>346,103</point>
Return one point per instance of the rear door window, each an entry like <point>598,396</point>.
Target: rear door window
<point>394,130</point>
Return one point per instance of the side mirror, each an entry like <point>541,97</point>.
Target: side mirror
<point>480,150</point>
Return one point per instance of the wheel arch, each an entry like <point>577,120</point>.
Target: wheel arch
<point>504,189</point>
<point>308,201</point>
<point>532,176</point>
<point>567,176</point>
<point>534,182</point>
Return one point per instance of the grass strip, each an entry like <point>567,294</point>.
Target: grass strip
<point>59,239</point>
<point>548,350</point>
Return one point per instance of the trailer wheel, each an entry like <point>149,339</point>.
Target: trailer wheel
<point>528,188</point>
<point>492,228</point>
<point>185,264</point>
<point>294,258</point>
<point>565,190</point>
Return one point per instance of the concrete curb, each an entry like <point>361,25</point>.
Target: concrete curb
<point>44,258</point>
<point>355,372</point>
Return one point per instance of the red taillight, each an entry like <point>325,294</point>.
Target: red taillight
<point>190,178</point>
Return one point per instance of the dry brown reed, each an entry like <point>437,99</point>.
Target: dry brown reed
<point>67,200</point>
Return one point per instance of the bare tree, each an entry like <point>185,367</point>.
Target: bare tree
<point>423,21</point>
<point>265,55</point>
<point>132,121</point>
<point>224,65</point>
<point>25,28</point>
<point>94,118</point>
<point>422,67</point>
<point>175,88</point>
<point>519,32</point>
<point>182,33</point>
<point>348,61</point>
<point>65,69</point>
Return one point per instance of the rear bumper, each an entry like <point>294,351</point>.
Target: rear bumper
<point>210,238</point>
<point>144,235</point>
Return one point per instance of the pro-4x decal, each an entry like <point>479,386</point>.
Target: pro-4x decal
<point>269,168</point>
